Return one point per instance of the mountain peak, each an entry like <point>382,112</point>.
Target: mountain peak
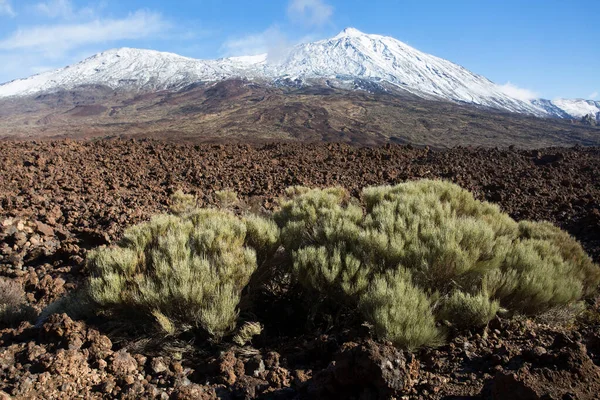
<point>350,59</point>
<point>349,31</point>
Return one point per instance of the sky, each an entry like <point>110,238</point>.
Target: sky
<point>535,48</point>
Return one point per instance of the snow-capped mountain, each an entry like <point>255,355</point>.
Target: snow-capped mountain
<point>132,69</point>
<point>353,54</point>
<point>579,108</point>
<point>349,56</point>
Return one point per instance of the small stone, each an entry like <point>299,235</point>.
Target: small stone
<point>44,229</point>
<point>123,364</point>
<point>177,367</point>
<point>539,351</point>
<point>254,366</point>
<point>272,360</point>
<point>20,239</point>
<point>158,365</point>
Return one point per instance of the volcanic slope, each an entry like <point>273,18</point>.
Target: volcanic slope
<point>253,111</point>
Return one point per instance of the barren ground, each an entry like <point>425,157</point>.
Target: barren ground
<point>236,110</point>
<point>59,199</point>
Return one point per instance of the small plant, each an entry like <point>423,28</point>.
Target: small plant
<point>247,332</point>
<point>226,198</point>
<point>13,308</point>
<point>182,203</point>
<point>400,311</point>
<point>467,310</point>
<point>180,272</point>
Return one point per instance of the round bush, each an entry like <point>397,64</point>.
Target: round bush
<point>180,272</point>
<point>426,251</point>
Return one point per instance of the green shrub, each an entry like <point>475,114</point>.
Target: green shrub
<point>13,307</point>
<point>580,264</point>
<point>400,311</point>
<point>262,235</point>
<point>182,203</point>
<point>226,198</point>
<point>464,257</point>
<point>247,332</point>
<point>406,258</point>
<point>180,272</point>
<point>468,311</point>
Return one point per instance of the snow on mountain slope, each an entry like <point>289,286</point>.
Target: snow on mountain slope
<point>579,108</point>
<point>351,56</point>
<point>132,69</point>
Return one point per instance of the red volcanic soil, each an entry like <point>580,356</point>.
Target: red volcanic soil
<point>60,199</point>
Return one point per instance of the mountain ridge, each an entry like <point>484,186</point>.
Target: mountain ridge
<point>348,59</point>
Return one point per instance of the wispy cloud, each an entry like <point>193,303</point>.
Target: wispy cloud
<point>70,33</point>
<point>519,93</point>
<point>59,38</point>
<point>310,12</point>
<point>6,9</point>
<point>272,41</point>
<point>62,9</point>
<point>593,96</point>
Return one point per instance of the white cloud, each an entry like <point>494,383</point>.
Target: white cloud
<point>6,8</point>
<point>55,8</point>
<point>518,93</point>
<point>272,41</point>
<point>593,96</point>
<point>60,38</point>
<point>249,45</point>
<point>63,9</point>
<point>310,12</point>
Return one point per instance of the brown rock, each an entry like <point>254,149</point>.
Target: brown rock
<point>230,368</point>
<point>301,377</point>
<point>254,366</point>
<point>123,364</point>
<point>278,377</point>
<point>272,359</point>
<point>194,392</point>
<point>99,345</point>
<point>370,368</point>
<point>44,229</point>
<point>158,365</point>
<point>510,387</point>
<point>565,371</point>
<point>248,387</point>
<point>61,330</point>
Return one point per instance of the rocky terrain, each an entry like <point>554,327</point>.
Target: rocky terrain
<point>239,110</point>
<point>58,199</point>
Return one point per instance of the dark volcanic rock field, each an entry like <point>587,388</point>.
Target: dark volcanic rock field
<point>59,199</point>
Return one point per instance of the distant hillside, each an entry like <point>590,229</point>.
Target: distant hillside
<point>251,111</point>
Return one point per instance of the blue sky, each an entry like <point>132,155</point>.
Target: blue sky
<point>548,48</point>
